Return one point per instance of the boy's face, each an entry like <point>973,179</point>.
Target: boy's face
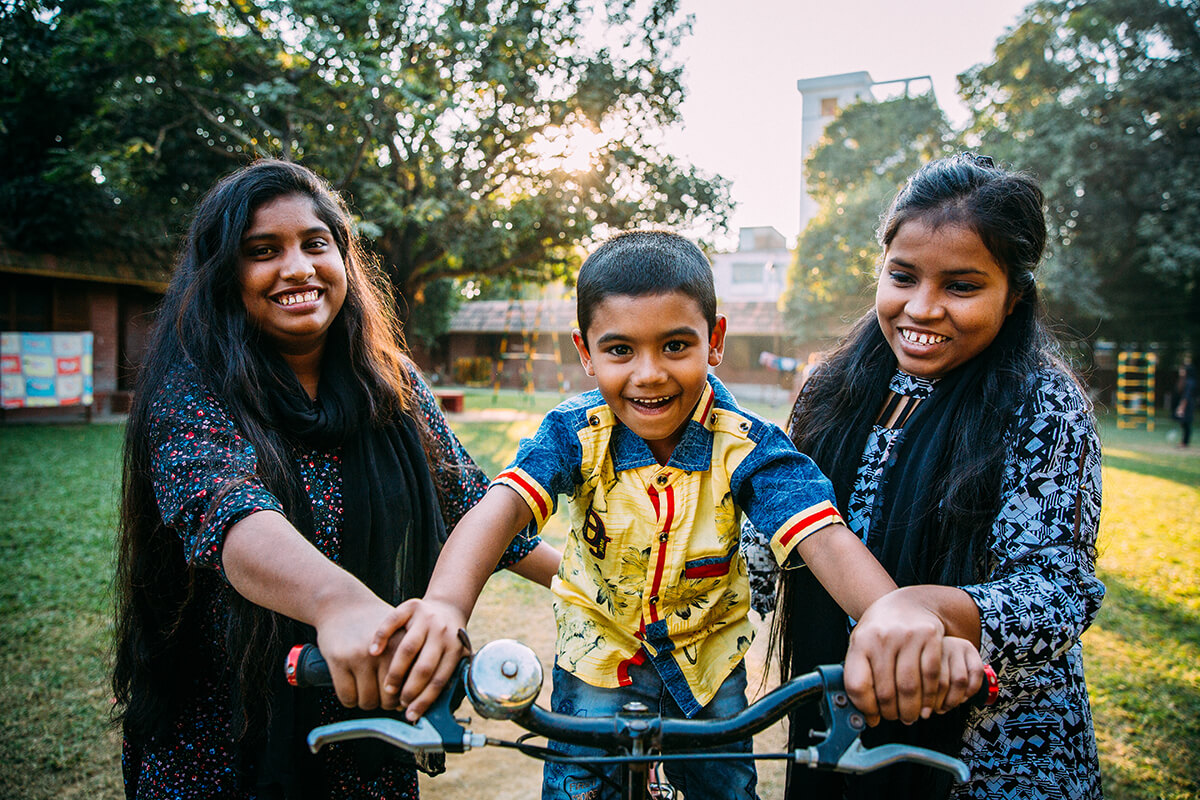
<point>650,355</point>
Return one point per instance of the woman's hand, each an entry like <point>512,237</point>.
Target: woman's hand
<point>425,658</point>
<point>343,634</point>
<point>894,662</point>
<point>962,674</point>
<point>900,664</point>
<point>269,563</point>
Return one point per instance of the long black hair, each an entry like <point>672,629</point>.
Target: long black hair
<point>840,403</point>
<point>202,322</point>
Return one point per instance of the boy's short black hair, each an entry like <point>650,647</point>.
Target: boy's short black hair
<point>640,263</point>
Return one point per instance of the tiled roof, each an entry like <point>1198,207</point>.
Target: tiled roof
<point>104,269</point>
<point>558,316</point>
<point>499,316</point>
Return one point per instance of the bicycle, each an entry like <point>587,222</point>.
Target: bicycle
<point>502,680</point>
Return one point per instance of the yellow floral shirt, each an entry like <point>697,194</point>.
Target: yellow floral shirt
<point>652,568</point>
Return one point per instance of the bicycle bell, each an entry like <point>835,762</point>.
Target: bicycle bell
<point>503,679</point>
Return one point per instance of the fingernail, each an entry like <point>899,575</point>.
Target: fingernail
<point>390,689</point>
<point>374,650</point>
<point>925,712</point>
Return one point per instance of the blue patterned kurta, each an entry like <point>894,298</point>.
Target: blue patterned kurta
<point>1037,741</point>
<point>196,449</point>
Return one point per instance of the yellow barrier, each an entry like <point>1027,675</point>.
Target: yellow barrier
<point>1135,389</point>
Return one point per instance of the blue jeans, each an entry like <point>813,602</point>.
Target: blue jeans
<point>698,779</point>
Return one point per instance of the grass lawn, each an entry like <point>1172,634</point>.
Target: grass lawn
<point>58,489</point>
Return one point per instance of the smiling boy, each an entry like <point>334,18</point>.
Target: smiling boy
<point>660,464</point>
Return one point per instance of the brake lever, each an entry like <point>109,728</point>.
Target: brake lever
<point>843,751</point>
<point>436,732</point>
<point>858,759</point>
<point>418,737</point>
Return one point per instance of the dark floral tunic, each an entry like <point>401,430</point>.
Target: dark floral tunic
<point>1037,741</point>
<point>196,449</point>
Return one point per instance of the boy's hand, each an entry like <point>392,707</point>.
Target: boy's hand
<point>894,663</point>
<point>426,656</point>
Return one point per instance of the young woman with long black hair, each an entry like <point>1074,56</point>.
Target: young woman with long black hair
<point>964,452</point>
<point>288,477</point>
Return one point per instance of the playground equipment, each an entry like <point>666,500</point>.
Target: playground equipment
<point>529,352</point>
<point>1135,389</point>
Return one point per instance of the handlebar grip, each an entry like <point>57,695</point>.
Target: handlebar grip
<point>306,667</point>
<point>990,690</point>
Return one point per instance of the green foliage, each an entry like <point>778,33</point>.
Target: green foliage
<point>436,303</point>
<point>1101,99</point>
<point>439,119</point>
<point>867,152</point>
<point>473,371</point>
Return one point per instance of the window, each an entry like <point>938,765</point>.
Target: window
<point>829,106</point>
<point>25,304</point>
<point>747,273</point>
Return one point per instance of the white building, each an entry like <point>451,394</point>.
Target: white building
<point>822,97</point>
<point>756,271</point>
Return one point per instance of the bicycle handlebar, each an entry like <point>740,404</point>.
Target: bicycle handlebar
<point>503,678</point>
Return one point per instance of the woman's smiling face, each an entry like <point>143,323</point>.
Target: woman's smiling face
<point>292,276</point>
<point>941,299</point>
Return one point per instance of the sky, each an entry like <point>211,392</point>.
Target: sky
<point>741,119</point>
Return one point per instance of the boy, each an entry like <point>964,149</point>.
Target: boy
<point>651,598</point>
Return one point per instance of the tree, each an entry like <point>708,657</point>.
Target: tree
<point>1101,99</point>
<point>449,123</point>
<point>863,158</point>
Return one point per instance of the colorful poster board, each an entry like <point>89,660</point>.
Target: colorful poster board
<point>41,370</point>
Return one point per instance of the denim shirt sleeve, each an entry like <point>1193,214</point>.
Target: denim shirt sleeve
<point>202,469</point>
<point>783,493</point>
<point>547,464</point>
<point>1043,591</point>
<point>461,482</point>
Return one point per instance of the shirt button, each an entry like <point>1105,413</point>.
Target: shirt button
<point>593,420</point>
<point>713,419</point>
<point>744,427</point>
<point>662,537</point>
<point>653,599</point>
<point>661,479</point>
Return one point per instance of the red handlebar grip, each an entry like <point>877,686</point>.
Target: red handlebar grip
<point>305,667</point>
<point>991,683</point>
<point>293,661</point>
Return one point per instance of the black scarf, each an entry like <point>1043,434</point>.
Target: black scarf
<point>392,531</point>
<point>898,539</point>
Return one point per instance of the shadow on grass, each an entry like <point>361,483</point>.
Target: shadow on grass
<point>1185,472</point>
<point>1150,712</point>
<point>1132,613</point>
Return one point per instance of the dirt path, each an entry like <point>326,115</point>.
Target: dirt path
<point>511,608</point>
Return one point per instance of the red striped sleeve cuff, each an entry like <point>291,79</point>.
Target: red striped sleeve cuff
<point>538,499</point>
<point>796,529</point>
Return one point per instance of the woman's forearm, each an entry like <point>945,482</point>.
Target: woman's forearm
<point>271,564</point>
